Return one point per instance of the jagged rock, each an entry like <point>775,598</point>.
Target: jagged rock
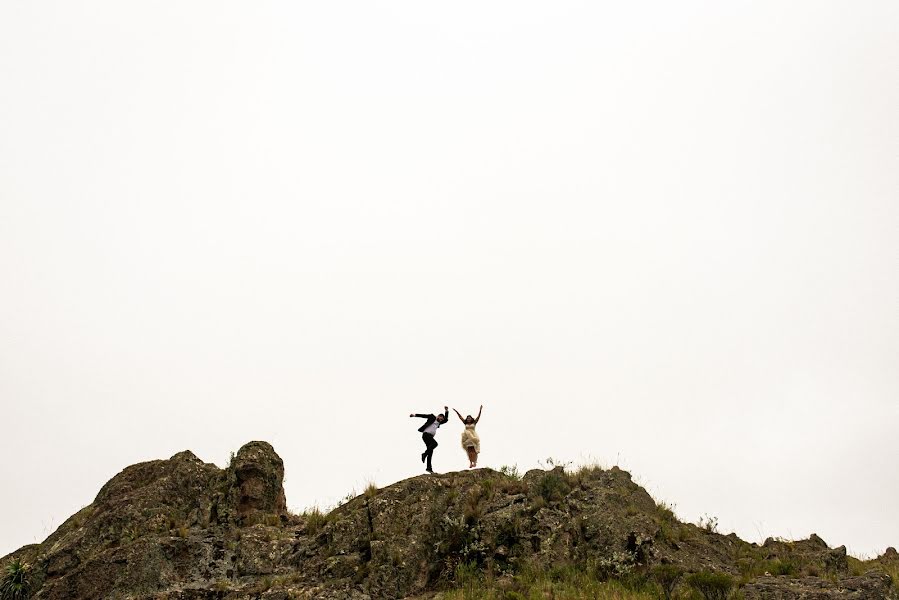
<point>812,554</point>
<point>259,481</point>
<point>182,529</point>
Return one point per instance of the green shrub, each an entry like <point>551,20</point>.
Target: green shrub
<point>16,582</point>
<point>467,574</point>
<point>782,567</point>
<point>712,586</point>
<point>666,512</point>
<point>552,487</point>
<point>511,472</point>
<point>562,582</point>
<point>893,571</point>
<point>667,577</point>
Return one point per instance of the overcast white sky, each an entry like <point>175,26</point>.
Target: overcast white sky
<point>663,235</point>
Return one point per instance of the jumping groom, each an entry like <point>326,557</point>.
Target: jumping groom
<point>427,434</point>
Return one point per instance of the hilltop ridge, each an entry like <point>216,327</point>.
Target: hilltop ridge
<point>185,529</point>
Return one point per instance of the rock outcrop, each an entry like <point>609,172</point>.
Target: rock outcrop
<point>185,529</point>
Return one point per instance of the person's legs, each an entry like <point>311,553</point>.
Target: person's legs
<point>431,452</point>
<point>472,457</point>
<point>430,444</point>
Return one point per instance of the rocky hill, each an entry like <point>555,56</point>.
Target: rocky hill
<point>184,529</point>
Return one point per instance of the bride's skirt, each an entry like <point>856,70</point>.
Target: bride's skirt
<point>470,439</point>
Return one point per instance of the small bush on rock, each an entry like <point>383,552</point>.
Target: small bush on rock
<point>315,520</point>
<point>712,586</point>
<point>667,577</point>
<point>552,487</point>
<point>782,567</point>
<point>16,582</point>
<point>708,523</point>
<point>511,472</point>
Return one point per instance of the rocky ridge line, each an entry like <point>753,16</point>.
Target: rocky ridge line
<point>188,530</point>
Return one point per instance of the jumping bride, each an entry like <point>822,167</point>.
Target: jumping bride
<point>471,443</point>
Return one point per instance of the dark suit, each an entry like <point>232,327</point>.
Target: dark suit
<point>428,438</point>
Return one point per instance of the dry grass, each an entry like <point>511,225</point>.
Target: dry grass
<point>315,519</point>
<point>860,567</point>
<point>559,585</point>
<point>371,490</point>
<point>893,572</point>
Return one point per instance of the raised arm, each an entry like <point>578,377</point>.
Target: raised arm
<point>458,415</point>
<point>418,415</point>
<point>480,410</point>
<point>445,414</point>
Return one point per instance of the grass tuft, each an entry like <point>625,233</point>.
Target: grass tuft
<point>315,520</point>
<point>560,583</point>
<point>16,581</point>
<point>712,586</point>
<point>371,490</point>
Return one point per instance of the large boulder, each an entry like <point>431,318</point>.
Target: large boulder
<point>258,482</point>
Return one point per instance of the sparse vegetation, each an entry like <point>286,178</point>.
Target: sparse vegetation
<point>562,583</point>
<point>893,572</point>
<point>860,567</point>
<point>552,487</point>
<point>511,481</point>
<point>708,523</point>
<point>551,463</point>
<point>349,496</point>
<point>856,566</point>
<point>666,512</point>
<point>472,509</point>
<point>667,577</point>
<point>782,567</point>
<point>511,472</point>
<point>81,517</point>
<point>16,582</point>
<point>583,473</point>
<point>712,586</point>
<point>263,584</point>
<point>315,519</point>
<point>371,490</point>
